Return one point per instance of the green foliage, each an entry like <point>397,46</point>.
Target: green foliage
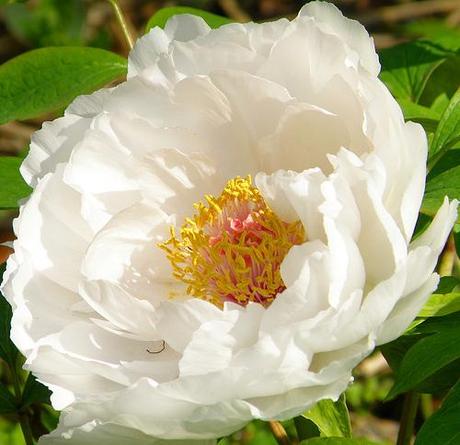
<point>456,234</point>
<point>255,433</point>
<point>47,22</point>
<point>443,427</point>
<point>366,392</point>
<point>431,348</point>
<point>306,428</point>
<point>406,68</point>
<point>10,433</point>
<point>163,15</point>
<point>442,84</point>
<point>337,441</point>
<point>444,159</point>
<point>331,418</point>
<point>443,179</point>
<point>441,304</point>
<point>7,401</point>
<point>34,392</point>
<point>49,418</point>
<point>428,117</point>
<point>9,2</point>
<point>447,134</point>
<point>447,285</point>
<point>435,30</point>
<point>423,76</point>
<point>46,79</point>
<point>8,351</point>
<point>12,186</point>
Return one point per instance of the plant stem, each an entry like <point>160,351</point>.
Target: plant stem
<point>406,427</point>
<point>279,433</point>
<point>22,416</point>
<point>25,427</point>
<point>426,405</point>
<point>16,383</point>
<point>123,24</point>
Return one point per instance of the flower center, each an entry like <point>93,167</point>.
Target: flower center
<point>232,249</point>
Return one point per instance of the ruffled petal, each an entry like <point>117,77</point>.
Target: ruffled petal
<point>332,21</point>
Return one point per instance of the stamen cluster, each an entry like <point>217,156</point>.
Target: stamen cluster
<point>232,249</point>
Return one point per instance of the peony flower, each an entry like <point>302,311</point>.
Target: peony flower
<point>223,236</point>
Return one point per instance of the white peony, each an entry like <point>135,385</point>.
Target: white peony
<point>149,314</point>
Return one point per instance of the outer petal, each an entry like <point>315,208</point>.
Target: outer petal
<point>424,252</point>
<point>109,434</point>
<point>331,20</point>
<point>184,27</point>
<point>52,145</point>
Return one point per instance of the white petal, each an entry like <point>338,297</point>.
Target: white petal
<point>405,311</point>
<point>58,250</point>
<point>305,135</point>
<point>437,232</point>
<point>124,311</point>
<point>296,197</point>
<point>109,434</point>
<point>185,27</point>
<point>147,51</point>
<point>126,252</point>
<point>178,320</point>
<point>38,312</point>
<point>331,20</point>
<point>52,145</point>
<point>311,65</point>
<point>249,94</point>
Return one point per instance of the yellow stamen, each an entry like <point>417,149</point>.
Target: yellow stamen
<point>232,249</point>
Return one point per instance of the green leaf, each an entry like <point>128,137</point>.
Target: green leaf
<point>49,418</point>
<point>447,134</point>
<point>394,351</point>
<point>413,111</point>
<point>443,379</point>
<point>441,304</point>
<point>331,417</point>
<point>418,113</point>
<point>163,15</point>
<point>440,102</point>
<point>445,300</point>
<point>34,392</point>
<point>442,84</point>
<point>10,433</point>
<point>406,68</point>
<point>12,186</point>
<point>305,428</point>
<point>337,441</point>
<point>430,354</point>
<point>443,180</point>
<point>8,351</point>
<point>456,233</point>
<point>448,285</point>
<point>435,30</point>
<point>7,401</point>
<point>423,222</point>
<point>443,427</point>
<point>46,79</point>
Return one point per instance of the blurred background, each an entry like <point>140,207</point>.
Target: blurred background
<point>33,24</point>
